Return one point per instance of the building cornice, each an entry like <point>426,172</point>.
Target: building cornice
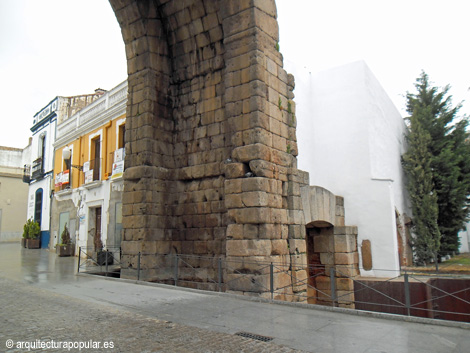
<point>11,175</point>
<point>109,107</point>
<point>43,122</point>
<point>46,112</point>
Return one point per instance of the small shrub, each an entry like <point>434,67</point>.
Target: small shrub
<point>31,229</point>
<point>26,230</point>
<point>65,236</point>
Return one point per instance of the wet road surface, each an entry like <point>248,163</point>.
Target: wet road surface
<point>41,296</point>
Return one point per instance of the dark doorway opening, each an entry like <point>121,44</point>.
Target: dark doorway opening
<point>98,244</point>
<point>38,206</point>
<point>320,258</point>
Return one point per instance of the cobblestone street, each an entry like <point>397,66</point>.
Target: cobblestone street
<point>29,313</point>
<point>42,299</point>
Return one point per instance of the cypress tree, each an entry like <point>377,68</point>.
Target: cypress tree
<point>453,186</point>
<point>447,164</point>
<point>417,165</point>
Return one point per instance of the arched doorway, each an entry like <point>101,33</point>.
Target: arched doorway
<point>320,259</point>
<point>38,199</point>
<point>332,257</point>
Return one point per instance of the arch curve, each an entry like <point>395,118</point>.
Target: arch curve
<point>319,206</point>
<point>209,104</point>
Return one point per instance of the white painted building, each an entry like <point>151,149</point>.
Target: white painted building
<point>464,237</point>
<point>41,166</point>
<point>39,170</point>
<point>351,138</point>
<point>13,192</point>
<point>88,181</point>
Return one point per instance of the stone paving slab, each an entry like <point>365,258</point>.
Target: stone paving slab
<point>30,313</point>
<point>42,297</point>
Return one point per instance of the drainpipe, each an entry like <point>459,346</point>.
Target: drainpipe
<point>51,184</point>
<point>104,149</point>
<point>77,219</point>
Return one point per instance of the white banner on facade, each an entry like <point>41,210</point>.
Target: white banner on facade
<point>88,176</point>
<point>86,167</point>
<point>62,178</point>
<point>119,155</point>
<point>118,169</point>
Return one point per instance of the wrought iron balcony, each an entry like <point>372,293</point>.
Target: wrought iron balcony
<point>37,169</point>
<point>91,170</point>
<point>26,173</point>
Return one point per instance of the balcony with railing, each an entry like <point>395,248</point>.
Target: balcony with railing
<point>27,173</point>
<point>63,180</point>
<point>37,169</point>
<point>91,171</point>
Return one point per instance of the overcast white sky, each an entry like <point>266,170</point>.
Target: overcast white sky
<point>70,47</point>
<point>52,48</point>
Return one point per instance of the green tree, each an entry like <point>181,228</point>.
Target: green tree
<point>445,165</point>
<point>417,165</point>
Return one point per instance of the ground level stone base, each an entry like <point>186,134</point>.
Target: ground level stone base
<point>211,147</point>
<point>79,321</point>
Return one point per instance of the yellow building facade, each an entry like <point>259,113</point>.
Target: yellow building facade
<point>88,169</point>
<point>95,156</point>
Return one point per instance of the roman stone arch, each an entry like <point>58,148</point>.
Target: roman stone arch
<point>211,145</point>
<point>330,245</point>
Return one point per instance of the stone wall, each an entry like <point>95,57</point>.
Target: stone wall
<point>331,248</point>
<point>210,130</point>
<point>211,148</point>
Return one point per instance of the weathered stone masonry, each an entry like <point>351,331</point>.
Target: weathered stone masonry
<point>210,139</point>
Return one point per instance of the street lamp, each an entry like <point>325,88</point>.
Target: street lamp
<point>66,155</point>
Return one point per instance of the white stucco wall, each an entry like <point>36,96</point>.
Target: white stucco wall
<point>45,185</point>
<point>85,199</point>
<point>464,236</point>
<point>95,197</point>
<point>350,138</point>
<point>11,157</point>
<point>26,157</point>
<point>48,130</point>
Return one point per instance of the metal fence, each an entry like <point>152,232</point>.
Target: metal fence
<point>105,262</point>
<point>409,293</point>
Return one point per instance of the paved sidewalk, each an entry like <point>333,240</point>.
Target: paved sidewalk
<point>41,297</point>
<point>30,314</point>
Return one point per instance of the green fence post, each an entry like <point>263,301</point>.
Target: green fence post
<point>138,266</point>
<point>407,294</point>
<point>176,270</point>
<point>271,280</point>
<point>220,274</point>
<point>333,285</point>
<point>79,256</point>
